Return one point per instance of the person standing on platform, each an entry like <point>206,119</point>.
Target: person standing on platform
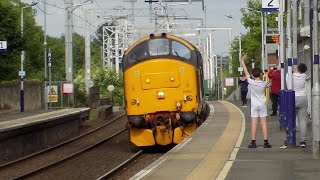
<point>275,75</point>
<point>243,82</point>
<point>299,86</point>
<point>258,104</point>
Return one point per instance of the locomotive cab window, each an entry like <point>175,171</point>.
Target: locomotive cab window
<point>137,54</point>
<point>158,47</point>
<point>180,50</point>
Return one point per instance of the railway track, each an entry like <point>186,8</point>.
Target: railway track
<point>119,167</point>
<point>53,156</point>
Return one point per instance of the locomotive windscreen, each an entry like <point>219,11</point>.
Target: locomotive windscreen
<point>159,47</point>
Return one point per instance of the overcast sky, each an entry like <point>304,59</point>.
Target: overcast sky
<point>216,16</point>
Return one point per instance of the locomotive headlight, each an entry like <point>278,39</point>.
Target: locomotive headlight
<point>148,81</point>
<point>189,98</point>
<point>160,95</point>
<point>179,104</point>
<point>172,79</point>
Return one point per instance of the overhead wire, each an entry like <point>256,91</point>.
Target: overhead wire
<point>53,5</point>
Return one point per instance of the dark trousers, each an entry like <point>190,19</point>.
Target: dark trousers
<point>275,101</point>
<point>244,97</point>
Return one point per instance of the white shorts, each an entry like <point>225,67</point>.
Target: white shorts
<point>259,111</point>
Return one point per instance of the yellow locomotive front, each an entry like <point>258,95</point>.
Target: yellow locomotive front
<point>163,90</point>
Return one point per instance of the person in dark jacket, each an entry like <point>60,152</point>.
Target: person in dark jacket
<point>275,76</point>
<point>243,82</point>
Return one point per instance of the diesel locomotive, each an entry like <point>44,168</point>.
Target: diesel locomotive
<point>163,87</point>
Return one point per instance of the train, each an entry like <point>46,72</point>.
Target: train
<point>163,90</point>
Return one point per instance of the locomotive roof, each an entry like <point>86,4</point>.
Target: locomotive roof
<point>163,35</point>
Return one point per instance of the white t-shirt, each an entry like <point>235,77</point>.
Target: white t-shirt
<point>298,83</point>
<point>257,88</point>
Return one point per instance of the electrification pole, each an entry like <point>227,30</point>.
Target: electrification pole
<point>282,57</point>
<point>211,60</point>
<point>87,52</point>
<point>290,94</point>
<point>45,55</point>
<point>68,45</point>
<point>265,55</point>
<point>289,45</point>
<point>316,88</point>
<point>117,51</point>
<point>221,69</point>
<point>262,42</point>
<point>295,32</point>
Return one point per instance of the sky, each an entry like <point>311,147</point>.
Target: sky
<point>216,12</point>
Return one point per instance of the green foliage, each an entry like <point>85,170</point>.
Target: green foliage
<point>32,42</point>
<point>56,46</point>
<point>78,51</point>
<point>80,89</point>
<point>102,78</point>
<point>251,41</point>
<point>10,30</point>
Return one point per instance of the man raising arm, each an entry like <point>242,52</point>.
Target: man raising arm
<point>258,104</point>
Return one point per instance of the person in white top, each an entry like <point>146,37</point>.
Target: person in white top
<point>299,86</point>
<point>258,104</point>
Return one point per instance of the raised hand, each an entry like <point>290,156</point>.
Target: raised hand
<point>244,57</point>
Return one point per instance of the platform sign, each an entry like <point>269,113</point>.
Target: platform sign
<point>229,82</point>
<point>67,88</point>
<point>3,46</point>
<point>270,5</point>
<point>22,73</point>
<point>52,94</point>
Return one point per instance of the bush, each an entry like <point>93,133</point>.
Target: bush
<point>104,77</point>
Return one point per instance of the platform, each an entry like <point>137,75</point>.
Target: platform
<point>25,133</point>
<point>218,150</point>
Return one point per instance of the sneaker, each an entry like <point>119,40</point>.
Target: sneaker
<point>245,105</point>
<point>284,145</point>
<point>303,144</point>
<point>267,145</point>
<point>252,145</point>
<point>273,114</point>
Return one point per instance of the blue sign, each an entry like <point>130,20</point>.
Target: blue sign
<point>270,5</point>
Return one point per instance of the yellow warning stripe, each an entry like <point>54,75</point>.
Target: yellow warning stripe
<point>217,157</point>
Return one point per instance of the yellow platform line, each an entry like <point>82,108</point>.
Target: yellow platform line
<point>221,152</point>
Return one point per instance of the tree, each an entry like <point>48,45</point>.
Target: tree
<point>32,43</point>
<point>10,11</point>
<point>251,41</point>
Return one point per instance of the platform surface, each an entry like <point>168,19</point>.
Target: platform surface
<point>16,120</point>
<point>218,150</point>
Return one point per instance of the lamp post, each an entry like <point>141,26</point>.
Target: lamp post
<point>221,72</point>
<point>263,60</point>
<point>69,41</point>
<point>22,72</point>
<point>240,48</point>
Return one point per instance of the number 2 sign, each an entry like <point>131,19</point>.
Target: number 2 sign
<point>270,5</point>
